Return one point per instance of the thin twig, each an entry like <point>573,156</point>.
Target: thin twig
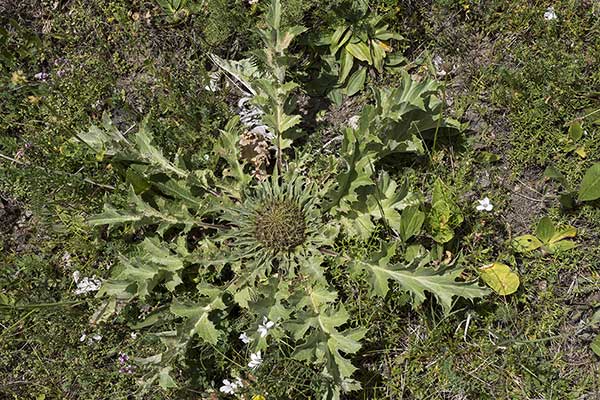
<point>528,198</point>
<point>12,159</point>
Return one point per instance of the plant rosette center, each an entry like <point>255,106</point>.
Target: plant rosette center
<point>279,226</point>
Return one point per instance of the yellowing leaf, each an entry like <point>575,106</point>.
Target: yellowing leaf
<point>500,278</point>
<point>567,232</point>
<point>526,243</point>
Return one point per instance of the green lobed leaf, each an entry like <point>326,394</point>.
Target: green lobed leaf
<point>417,280</point>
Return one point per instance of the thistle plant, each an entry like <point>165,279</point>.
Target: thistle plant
<point>222,245</point>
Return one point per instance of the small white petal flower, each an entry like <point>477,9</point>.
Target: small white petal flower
<point>82,338</point>
<point>244,338</point>
<point>549,15</point>
<point>484,205</point>
<point>86,285</point>
<point>263,329</point>
<point>255,360</point>
<point>76,276</point>
<point>228,387</point>
<point>97,338</point>
<point>133,335</point>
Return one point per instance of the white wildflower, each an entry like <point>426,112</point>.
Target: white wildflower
<point>484,205</point>
<point>244,338</point>
<point>83,337</point>
<point>230,387</point>
<point>97,338</point>
<point>86,285</point>
<point>263,329</point>
<point>252,2</point>
<point>133,335</point>
<point>255,360</point>
<point>41,76</point>
<point>549,15</point>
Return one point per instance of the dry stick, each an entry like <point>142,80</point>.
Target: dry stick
<point>88,180</point>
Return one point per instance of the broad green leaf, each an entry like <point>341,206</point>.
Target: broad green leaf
<point>575,131</point>
<point>378,52</point>
<point>526,243</point>
<point>346,63</point>
<point>106,309</point>
<point>500,278</point>
<point>360,51</point>
<point>595,320</point>
<point>243,297</point>
<point>411,222</point>
<point>356,82</point>
<point>151,264</point>
<point>590,185</point>
<point>150,320</point>
<point>116,288</point>
<point>339,39</point>
<point>545,230</point>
